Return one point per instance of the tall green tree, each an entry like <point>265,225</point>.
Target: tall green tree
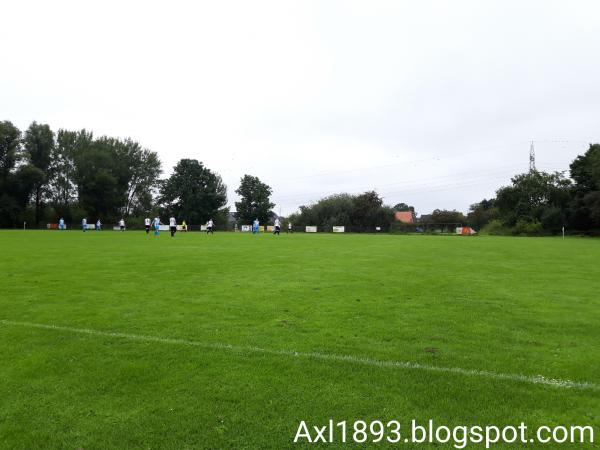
<point>73,175</point>
<point>9,148</point>
<point>357,213</point>
<point>585,206</point>
<point>62,186</point>
<point>144,168</point>
<point>193,193</point>
<point>10,140</point>
<point>255,200</point>
<point>38,145</point>
<point>27,178</point>
<point>482,213</point>
<point>113,177</point>
<point>369,212</point>
<point>101,179</point>
<point>334,210</point>
<point>70,148</point>
<point>585,170</point>
<point>535,197</point>
<point>18,184</point>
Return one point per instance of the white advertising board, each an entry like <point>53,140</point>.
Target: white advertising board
<point>310,229</point>
<point>339,229</point>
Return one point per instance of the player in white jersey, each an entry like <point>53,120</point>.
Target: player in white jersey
<point>98,225</point>
<point>173,226</point>
<point>290,228</point>
<point>61,224</point>
<point>147,222</point>
<point>84,224</point>
<point>209,226</point>
<point>122,224</point>
<point>277,226</point>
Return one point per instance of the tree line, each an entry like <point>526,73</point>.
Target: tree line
<point>535,203</point>
<point>72,174</point>
<point>45,176</point>
<point>356,212</point>
<point>540,202</point>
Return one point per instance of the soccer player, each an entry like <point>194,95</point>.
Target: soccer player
<point>147,224</point>
<point>209,226</point>
<point>122,224</point>
<point>173,226</point>
<point>156,223</point>
<point>61,224</point>
<point>183,226</point>
<point>255,225</point>
<point>277,227</point>
<point>84,224</point>
<point>98,225</point>
<point>290,227</point>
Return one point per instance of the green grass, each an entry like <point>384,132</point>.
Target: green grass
<point>523,306</point>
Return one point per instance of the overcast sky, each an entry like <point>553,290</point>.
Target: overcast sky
<point>432,103</point>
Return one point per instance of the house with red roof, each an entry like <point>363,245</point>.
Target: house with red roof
<point>405,216</point>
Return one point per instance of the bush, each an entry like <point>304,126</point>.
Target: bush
<point>399,227</point>
<point>28,215</point>
<point>495,228</point>
<point>552,219</point>
<point>48,216</point>
<point>526,228</point>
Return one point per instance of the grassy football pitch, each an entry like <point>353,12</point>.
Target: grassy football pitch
<point>126,341</point>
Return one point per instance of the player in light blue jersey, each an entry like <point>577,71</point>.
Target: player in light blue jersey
<point>255,225</point>
<point>156,224</point>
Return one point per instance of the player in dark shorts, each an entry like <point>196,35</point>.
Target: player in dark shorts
<point>277,227</point>
<point>173,226</point>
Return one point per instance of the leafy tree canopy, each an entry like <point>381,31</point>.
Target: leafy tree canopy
<point>255,202</point>
<point>531,194</point>
<point>403,207</point>
<point>9,147</point>
<point>193,193</point>
<point>362,212</point>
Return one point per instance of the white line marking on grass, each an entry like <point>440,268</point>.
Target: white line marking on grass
<point>537,379</point>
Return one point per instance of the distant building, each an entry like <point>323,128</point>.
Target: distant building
<point>405,216</point>
<point>425,218</point>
